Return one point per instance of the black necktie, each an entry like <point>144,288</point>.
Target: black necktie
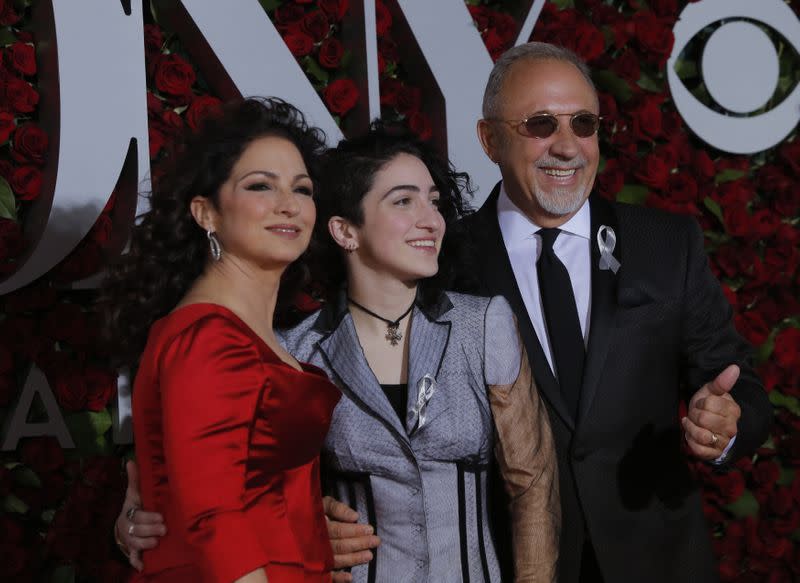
<point>561,319</point>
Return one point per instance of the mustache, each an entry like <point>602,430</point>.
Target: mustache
<point>552,162</point>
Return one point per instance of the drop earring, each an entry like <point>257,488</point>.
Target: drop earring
<point>214,246</point>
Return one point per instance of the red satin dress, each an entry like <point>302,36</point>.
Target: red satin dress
<point>227,442</point>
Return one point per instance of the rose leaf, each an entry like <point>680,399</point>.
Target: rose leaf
<point>8,204</point>
<point>745,505</point>
<point>633,194</point>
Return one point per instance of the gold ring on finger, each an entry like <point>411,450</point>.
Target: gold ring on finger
<point>714,439</point>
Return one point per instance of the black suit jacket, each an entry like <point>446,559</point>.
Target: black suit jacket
<point>659,329</point>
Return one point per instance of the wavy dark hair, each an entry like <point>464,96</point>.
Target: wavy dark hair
<point>348,173</point>
<point>168,249</point>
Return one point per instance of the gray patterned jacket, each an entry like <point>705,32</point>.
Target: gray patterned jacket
<point>423,484</point>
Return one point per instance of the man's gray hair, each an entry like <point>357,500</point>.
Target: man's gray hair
<point>533,51</point>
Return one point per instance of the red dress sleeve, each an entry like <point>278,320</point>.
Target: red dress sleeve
<point>211,378</point>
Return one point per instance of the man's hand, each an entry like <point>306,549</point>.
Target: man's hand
<point>713,416</point>
<point>137,530</point>
<point>351,542</point>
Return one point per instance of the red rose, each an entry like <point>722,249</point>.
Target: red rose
<point>153,39</point>
<point>420,124</point>
<point>682,188</point>
<point>101,385</point>
<point>738,221</point>
<point>611,180</point>
<point>764,223</point>
<point>330,53</point>
<point>387,49</point>
<point>156,141</point>
<point>390,89</point>
<point>409,99</point>
<point>26,182</point>
<point>703,165</point>
<point>736,193</point>
<point>383,18</point>
<point>316,24</point>
<point>653,172</point>
<point>30,144</point>
<point>201,108</point>
<point>480,16</point>
<point>765,473</point>
<point>42,454</point>
<point>665,8</point>
<point>341,96</point>
<point>334,9</point>
<point>299,43</point>
<point>772,178</point>
<point>21,58</point>
<point>494,44</point>
<point>626,66</point>
<point>21,96</point>
<point>67,323</point>
<point>7,14</point>
<point>647,117</point>
<point>588,42</point>
<point>624,29</point>
<point>654,35</point>
<point>287,14</point>
<point>783,259</point>
<point>751,325</point>
<point>787,348</point>
<point>7,126</point>
<point>174,75</point>
<point>729,485</point>
<point>505,26</point>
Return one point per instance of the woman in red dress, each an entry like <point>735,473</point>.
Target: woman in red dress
<point>228,425</point>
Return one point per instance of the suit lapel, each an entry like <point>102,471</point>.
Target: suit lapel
<point>345,357</point>
<point>604,306</point>
<point>428,342</point>
<point>498,279</point>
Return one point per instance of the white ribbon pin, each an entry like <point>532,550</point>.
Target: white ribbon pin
<point>606,241</point>
<point>425,389</point>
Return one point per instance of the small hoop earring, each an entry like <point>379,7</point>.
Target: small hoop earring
<point>214,246</point>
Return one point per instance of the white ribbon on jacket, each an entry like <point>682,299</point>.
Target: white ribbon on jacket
<point>425,389</point>
<point>606,241</point>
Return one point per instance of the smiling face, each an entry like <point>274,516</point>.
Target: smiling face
<point>402,230</point>
<point>548,178</point>
<point>265,212</point>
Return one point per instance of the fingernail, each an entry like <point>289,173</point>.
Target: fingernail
<point>368,529</point>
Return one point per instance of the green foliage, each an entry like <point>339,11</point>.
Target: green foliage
<point>609,81</point>
<point>8,204</point>
<point>633,194</point>
<point>745,506</point>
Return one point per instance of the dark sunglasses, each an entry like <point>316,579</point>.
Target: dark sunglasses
<point>544,125</point>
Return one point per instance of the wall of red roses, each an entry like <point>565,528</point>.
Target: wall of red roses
<point>57,507</point>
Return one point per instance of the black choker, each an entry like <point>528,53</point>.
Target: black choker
<point>393,336</point>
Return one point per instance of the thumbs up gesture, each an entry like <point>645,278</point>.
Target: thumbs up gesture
<point>713,416</point>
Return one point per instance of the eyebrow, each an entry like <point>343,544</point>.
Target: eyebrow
<point>410,187</point>
<point>272,175</point>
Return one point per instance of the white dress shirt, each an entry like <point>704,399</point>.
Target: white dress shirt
<point>573,249</point>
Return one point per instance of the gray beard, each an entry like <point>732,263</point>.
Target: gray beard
<point>560,202</point>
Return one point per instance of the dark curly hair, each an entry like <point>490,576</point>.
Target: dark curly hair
<point>168,249</point>
<point>347,174</point>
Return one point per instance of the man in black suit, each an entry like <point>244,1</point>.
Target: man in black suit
<point>622,319</point>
